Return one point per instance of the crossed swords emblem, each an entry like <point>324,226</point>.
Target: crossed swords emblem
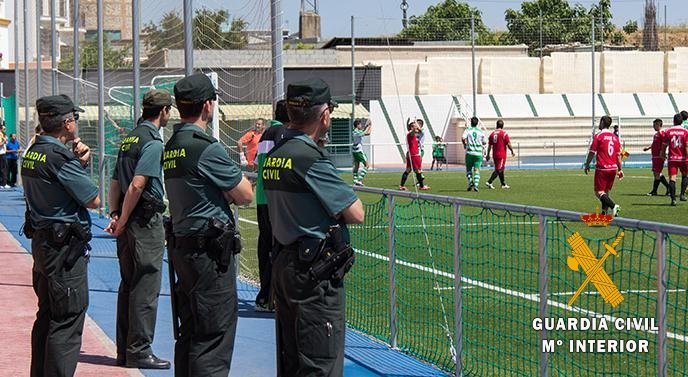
<point>595,273</point>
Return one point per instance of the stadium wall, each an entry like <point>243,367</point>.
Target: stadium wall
<point>562,72</point>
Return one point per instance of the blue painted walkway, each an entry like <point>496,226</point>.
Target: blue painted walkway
<point>254,350</point>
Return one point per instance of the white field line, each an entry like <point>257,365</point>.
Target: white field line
<point>534,297</point>
<point>451,288</point>
<point>624,292</point>
<point>433,225</point>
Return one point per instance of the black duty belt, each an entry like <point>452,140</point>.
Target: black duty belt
<point>190,242</point>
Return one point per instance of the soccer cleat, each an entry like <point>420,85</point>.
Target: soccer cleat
<point>667,193</point>
<point>358,183</point>
<point>490,185</point>
<point>615,210</point>
<point>424,188</point>
<point>673,202</point>
<point>470,187</point>
<point>475,188</point>
<point>652,193</point>
<point>683,198</point>
<point>402,188</point>
<point>506,187</point>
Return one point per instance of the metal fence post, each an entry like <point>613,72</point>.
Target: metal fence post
<point>53,47</point>
<point>277,48</point>
<point>518,150</point>
<point>101,107</point>
<point>392,283</point>
<point>75,41</point>
<point>136,61</point>
<point>474,77</point>
<point>554,155</point>
<point>542,284</point>
<point>26,74</point>
<point>458,294</point>
<point>188,37</point>
<point>592,59</point>
<point>353,75</point>
<point>39,49</point>
<point>661,305</point>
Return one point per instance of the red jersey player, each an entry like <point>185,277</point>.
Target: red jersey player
<point>657,160</point>
<point>607,147</point>
<point>413,157</point>
<point>498,142</point>
<point>676,138</point>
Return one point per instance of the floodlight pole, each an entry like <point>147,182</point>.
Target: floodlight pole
<point>592,59</point>
<point>16,65</point>
<point>188,37</point>
<point>473,78</point>
<point>136,61</point>
<point>39,52</point>
<point>26,74</point>
<point>75,63</point>
<point>353,73</point>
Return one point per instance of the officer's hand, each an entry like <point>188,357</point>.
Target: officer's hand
<point>111,227</point>
<point>120,228</point>
<point>586,169</point>
<point>82,151</point>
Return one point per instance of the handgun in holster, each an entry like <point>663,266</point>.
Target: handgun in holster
<point>27,229</point>
<point>76,237</point>
<point>223,242</point>
<point>335,257</point>
<point>147,207</point>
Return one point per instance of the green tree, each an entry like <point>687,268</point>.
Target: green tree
<point>556,22</point>
<point>212,30</point>
<point>113,58</point>
<point>450,20</point>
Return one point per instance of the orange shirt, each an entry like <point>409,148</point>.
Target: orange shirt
<point>250,140</point>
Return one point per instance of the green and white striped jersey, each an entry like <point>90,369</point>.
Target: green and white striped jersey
<point>475,141</point>
<point>357,139</point>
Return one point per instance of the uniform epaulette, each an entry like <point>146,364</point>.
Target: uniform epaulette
<point>204,136</point>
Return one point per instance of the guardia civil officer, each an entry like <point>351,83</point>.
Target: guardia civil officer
<point>136,204</point>
<point>307,200</point>
<point>58,192</point>
<point>201,181</point>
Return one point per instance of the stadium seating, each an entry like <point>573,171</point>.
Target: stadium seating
<point>540,125</point>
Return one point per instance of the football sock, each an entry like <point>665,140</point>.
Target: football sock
<point>469,176</point>
<point>655,185</point>
<point>684,184</point>
<point>362,173</point>
<point>476,178</point>
<point>403,178</point>
<point>420,178</point>
<point>672,189</point>
<point>501,177</point>
<point>664,181</point>
<point>607,201</point>
<point>493,176</point>
<point>355,173</point>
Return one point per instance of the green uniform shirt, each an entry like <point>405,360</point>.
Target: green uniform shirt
<point>357,140</point>
<point>475,140</point>
<point>304,189</point>
<point>148,161</point>
<point>197,172</point>
<point>56,186</point>
<point>267,141</point>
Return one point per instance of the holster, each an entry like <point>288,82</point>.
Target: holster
<point>74,235</point>
<point>146,208</point>
<point>222,242</point>
<point>333,257</point>
<point>169,232</point>
<point>27,229</point>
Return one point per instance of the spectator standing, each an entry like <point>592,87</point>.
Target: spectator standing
<point>251,140</point>
<point>13,150</point>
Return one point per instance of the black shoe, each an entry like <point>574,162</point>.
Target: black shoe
<point>683,198</point>
<point>121,361</point>
<point>149,362</point>
<point>667,193</point>
<point>652,193</point>
<point>673,202</point>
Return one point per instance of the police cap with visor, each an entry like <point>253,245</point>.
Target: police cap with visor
<point>157,98</point>
<point>57,105</point>
<point>194,89</point>
<point>309,93</point>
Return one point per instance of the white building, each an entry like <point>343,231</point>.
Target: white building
<point>6,15</point>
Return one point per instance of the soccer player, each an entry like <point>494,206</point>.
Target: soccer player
<point>607,147</point>
<point>438,148</point>
<point>498,139</point>
<point>413,158</point>
<point>684,116</point>
<point>474,141</point>
<point>676,138</point>
<point>360,130</point>
<point>421,138</point>
<point>657,159</point>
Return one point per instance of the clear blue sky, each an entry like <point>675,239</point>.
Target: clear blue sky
<point>379,17</point>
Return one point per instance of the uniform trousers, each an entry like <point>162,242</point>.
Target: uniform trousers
<point>206,301</point>
<point>265,246</point>
<point>139,250</point>
<point>309,320</point>
<point>62,302</point>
